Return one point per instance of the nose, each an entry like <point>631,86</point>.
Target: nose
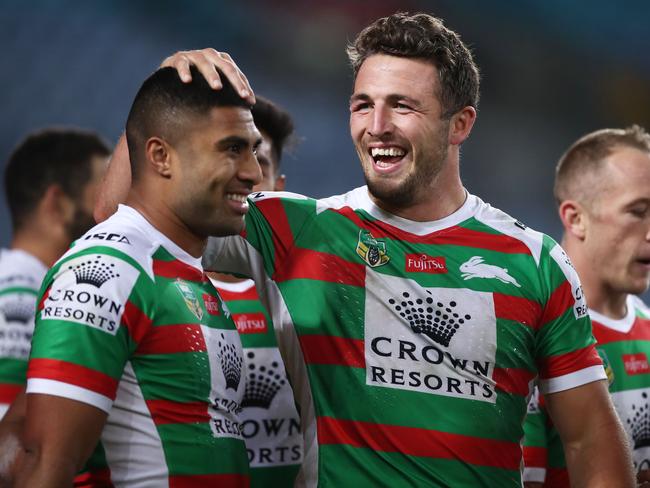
<point>381,122</point>
<point>250,169</point>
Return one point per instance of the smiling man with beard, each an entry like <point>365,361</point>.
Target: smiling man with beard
<point>413,318</point>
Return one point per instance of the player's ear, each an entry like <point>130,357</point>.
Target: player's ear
<point>280,181</point>
<point>574,218</point>
<point>461,124</point>
<point>159,156</point>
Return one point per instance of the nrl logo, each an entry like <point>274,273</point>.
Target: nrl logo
<point>372,251</point>
<point>190,298</point>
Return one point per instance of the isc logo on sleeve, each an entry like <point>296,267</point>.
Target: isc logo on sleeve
<point>91,290</point>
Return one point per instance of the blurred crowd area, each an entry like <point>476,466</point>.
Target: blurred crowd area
<point>551,72</point>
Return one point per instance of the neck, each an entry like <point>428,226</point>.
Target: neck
<point>600,296</point>
<point>47,250</point>
<point>440,199</point>
<point>224,277</point>
<point>163,218</point>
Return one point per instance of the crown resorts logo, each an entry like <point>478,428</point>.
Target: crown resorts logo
<point>231,363</point>
<point>434,318</point>
<point>94,271</point>
<point>18,311</point>
<point>189,298</point>
<point>639,422</point>
<point>372,251</point>
<point>262,383</point>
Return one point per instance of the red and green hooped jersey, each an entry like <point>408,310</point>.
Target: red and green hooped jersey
<point>412,346</point>
<point>269,421</point>
<point>128,322</point>
<point>624,346</point>
<point>20,278</point>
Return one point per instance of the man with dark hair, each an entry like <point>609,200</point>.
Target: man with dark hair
<point>51,183</point>
<point>270,422</point>
<point>413,318</point>
<point>132,346</point>
<point>602,188</point>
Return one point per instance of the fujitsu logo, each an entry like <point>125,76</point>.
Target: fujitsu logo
<point>262,383</point>
<point>422,263</point>
<point>94,271</point>
<point>250,323</point>
<point>636,363</point>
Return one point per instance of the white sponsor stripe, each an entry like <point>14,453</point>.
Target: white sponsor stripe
<point>133,447</point>
<point>571,380</point>
<point>534,475</point>
<point>66,390</point>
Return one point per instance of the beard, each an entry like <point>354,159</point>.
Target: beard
<point>405,193</point>
<point>82,222</point>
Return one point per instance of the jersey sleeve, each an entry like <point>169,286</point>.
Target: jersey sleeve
<point>91,315</point>
<point>535,445</point>
<point>565,346</point>
<point>273,223</point>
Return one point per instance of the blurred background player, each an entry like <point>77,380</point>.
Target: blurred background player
<point>602,188</point>
<point>270,422</point>
<point>51,183</point>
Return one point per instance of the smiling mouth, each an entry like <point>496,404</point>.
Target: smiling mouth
<point>237,197</point>
<point>384,157</point>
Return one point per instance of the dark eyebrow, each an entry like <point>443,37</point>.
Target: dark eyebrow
<point>392,98</point>
<point>237,140</point>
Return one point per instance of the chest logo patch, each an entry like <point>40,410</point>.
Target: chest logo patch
<point>475,267</point>
<point>372,251</point>
<point>190,298</point>
<point>636,363</point>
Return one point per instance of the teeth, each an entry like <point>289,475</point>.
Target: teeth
<point>386,151</point>
<point>236,197</point>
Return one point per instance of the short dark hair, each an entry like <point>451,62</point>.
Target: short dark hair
<point>52,156</point>
<point>274,121</point>
<point>423,36</point>
<point>588,153</point>
<point>164,104</point>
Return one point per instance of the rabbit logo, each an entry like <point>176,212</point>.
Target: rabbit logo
<point>476,268</point>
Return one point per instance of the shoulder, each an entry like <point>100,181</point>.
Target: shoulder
<point>123,237</point>
<point>18,269</point>
<point>498,220</point>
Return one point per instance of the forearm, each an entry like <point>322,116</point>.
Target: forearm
<point>602,458</point>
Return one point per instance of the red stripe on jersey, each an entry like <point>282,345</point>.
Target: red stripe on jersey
<point>73,374</point>
<point>168,412</point>
<point>412,441</point>
<point>513,380</point>
<point>229,296</point>
<point>453,236</point>
<point>136,321</point>
<point>561,299</point>
<point>220,480</point>
<point>535,457</point>
<point>276,217</point>
<point>316,265</point>
<point>640,331</point>
<point>177,269</point>
<point>570,362</point>
<point>170,339</point>
<point>519,309</point>
<point>41,303</point>
<point>9,391</point>
<point>93,479</point>
<point>321,349</point>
